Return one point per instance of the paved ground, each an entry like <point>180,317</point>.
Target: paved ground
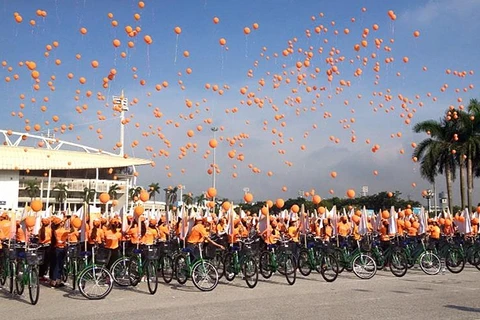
<point>415,296</point>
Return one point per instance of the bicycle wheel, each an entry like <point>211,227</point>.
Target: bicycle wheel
<point>303,263</point>
<point>19,283</point>
<point>218,263</point>
<point>364,266</point>
<point>167,269</point>
<point>265,269</point>
<point>12,277</point>
<point>152,276</point>
<point>95,282</point>
<point>66,270</point>
<point>134,273</point>
<point>33,285</point>
<point>430,263</point>
<point>229,266</point>
<point>181,269</point>
<point>3,272</point>
<point>329,267</point>
<point>204,276</point>
<point>290,269</point>
<point>454,260</point>
<point>338,253</point>
<point>250,271</point>
<point>74,273</point>
<point>398,263</point>
<point>119,271</point>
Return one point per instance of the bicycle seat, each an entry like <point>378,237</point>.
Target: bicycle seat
<point>310,245</point>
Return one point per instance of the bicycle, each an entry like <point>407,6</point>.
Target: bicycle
<point>119,268</point>
<point>27,271</point>
<point>283,262</point>
<point>451,249</point>
<point>429,262</point>
<point>203,273</point>
<point>137,268</point>
<point>362,265</point>
<point>9,265</point>
<point>241,259</point>
<point>70,266</point>
<point>393,256</point>
<point>167,249</point>
<point>95,281</point>
<point>317,255</point>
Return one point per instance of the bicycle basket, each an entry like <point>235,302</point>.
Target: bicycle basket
<point>365,246</point>
<point>35,257</point>
<point>166,247</point>
<point>288,247</point>
<point>73,251</point>
<point>102,256</point>
<point>152,253</point>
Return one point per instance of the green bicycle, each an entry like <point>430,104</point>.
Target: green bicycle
<point>203,273</point>
<point>281,259</point>
<point>318,256</point>
<point>241,259</point>
<point>416,251</point>
<point>144,262</point>
<point>362,265</point>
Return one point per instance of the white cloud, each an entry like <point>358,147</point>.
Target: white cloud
<point>440,11</point>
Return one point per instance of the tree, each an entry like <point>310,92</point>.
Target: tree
<point>200,199</point>
<point>436,153</point>
<point>170,196</point>
<point>134,192</point>
<point>88,195</point>
<point>153,190</point>
<point>32,189</point>
<point>187,198</point>
<point>61,193</point>
<point>113,191</point>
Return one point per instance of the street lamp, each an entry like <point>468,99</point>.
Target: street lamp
<point>214,130</point>
<point>428,194</point>
<point>181,187</point>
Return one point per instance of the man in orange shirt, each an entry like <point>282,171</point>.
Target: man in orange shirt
<point>199,235</point>
<point>112,237</point>
<point>343,228</point>
<point>151,234</point>
<point>163,231</point>
<point>61,236</point>
<point>45,238</point>
<point>4,226</point>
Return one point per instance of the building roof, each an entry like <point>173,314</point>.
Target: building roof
<point>27,158</point>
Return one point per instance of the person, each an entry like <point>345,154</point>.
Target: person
<point>163,230</point>
<point>45,238</point>
<point>327,230</point>
<point>343,228</point>
<point>199,235</point>
<point>271,234</point>
<point>61,237</point>
<point>112,237</point>
<point>96,234</point>
<point>151,233</point>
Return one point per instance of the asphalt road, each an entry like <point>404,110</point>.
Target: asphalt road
<point>415,296</point>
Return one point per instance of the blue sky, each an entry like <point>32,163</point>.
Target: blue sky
<point>448,40</point>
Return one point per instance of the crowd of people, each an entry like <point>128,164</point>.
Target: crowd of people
<point>59,231</point>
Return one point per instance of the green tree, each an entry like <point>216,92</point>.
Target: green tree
<point>134,192</point>
<point>200,199</point>
<point>32,189</point>
<point>187,198</point>
<point>113,191</point>
<point>88,195</point>
<point>61,193</point>
<point>153,190</point>
<point>435,153</point>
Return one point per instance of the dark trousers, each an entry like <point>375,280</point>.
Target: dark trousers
<point>51,262</point>
<point>43,268</point>
<point>114,255</point>
<point>60,254</point>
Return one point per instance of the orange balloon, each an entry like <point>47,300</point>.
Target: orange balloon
<point>76,222</point>
<point>144,196</point>
<point>36,205</point>
<point>177,30</point>
<point>213,143</point>
<point>222,41</point>
<point>351,193</point>
<point>30,221</point>
<point>295,208</point>
<point>211,192</point>
<point>279,203</point>
<point>104,197</point>
<point>316,199</point>
<point>226,205</point>
<point>248,197</point>
<point>83,30</point>
<point>333,174</point>
<point>139,210</point>
<point>269,203</point>
<point>246,30</point>
<point>385,214</point>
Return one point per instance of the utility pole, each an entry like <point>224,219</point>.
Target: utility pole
<point>122,103</point>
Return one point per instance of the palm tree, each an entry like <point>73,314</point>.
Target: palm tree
<point>436,153</point>
<point>153,190</point>
<point>187,198</point>
<point>200,199</point>
<point>472,144</point>
<point>61,194</point>
<point>134,192</point>
<point>88,195</point>
<point>170,196</point>
<point>113,191</point>
<point>32,189</point>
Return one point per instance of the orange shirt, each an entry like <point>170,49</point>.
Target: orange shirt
<point>294,234</point>
<point>356,235</point>
<point>20,235</point>
<point>150,235</point>
<point>47,233</point>
<point>5,227</point>
<point>61,236</point>
<point>274,236</point>
<point>328,232</point>
<point>435,232</point>
<point>133,235</point>
<point>163,233</point>
<point>384,233</point>
<point>220,228</point>
<point>474,229</point>
<point>198,234</point>
<point>73,236</point>
<point>412,232</point>
<point>112,238</point>
<point>98,238</point>
<point>343,229</point>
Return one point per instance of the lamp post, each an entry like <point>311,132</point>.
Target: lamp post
<point>214,130</point>
<point>181,187</point>
<point>122,103</point>
<point>428,194</point>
